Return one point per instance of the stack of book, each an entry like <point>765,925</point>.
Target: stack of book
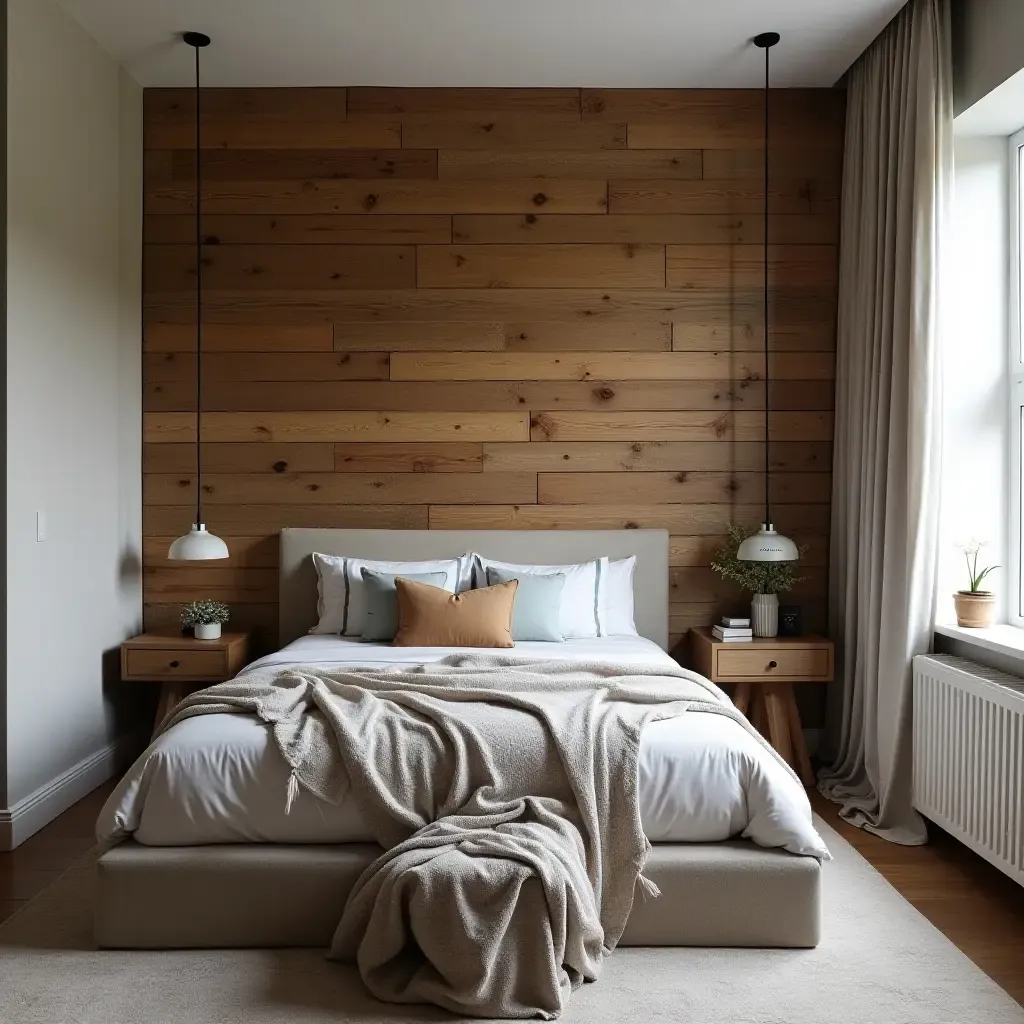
<point>732,630</point>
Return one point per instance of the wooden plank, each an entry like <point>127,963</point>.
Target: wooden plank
<point>257,519</point>
<point>238,337</point>
<point>803,395</point>
<point>687,520</point>
<point>232,585</point>
<point>261,618</point>
<point>605,366</point>
<point>702,583</point>
<point>408,104</point>
<point>328,195</point>
<point>340,488</point>
<point>495,305</point>
<point>722,117</point>
<point>409,458</point>
<point>513,134</point>
<point>239,458</point>
<point>517,337</point>
<point>748,336</point>
<point>804,160</point>
<point>540,266</point>
<point>466,396</point>
<point>652,456</point>
<point>245,552</point>
<point>274,164</point>
<point>677,426</point>
<point>589,337</point>
<point>679,487</point>
<point>169,268</point>
<point>300,229</point>
<point>476,164</point>
<point>168,427</point>
<point>742,266</point>
<point>726,196</point>
<point>396,337</point>
<point>651,228</point>
<point>162,367</point>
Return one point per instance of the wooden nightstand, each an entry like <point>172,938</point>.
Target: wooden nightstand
<point>181,663</point>
<point>763,672</point>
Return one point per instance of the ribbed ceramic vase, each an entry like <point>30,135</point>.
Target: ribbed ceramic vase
<point>764,614</point>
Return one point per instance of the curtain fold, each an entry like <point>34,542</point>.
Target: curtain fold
<point>897,173</point>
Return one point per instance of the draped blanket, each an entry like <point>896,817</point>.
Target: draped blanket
<point>504,793</point>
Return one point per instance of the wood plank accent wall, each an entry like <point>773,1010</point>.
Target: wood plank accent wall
<point>487,308</point>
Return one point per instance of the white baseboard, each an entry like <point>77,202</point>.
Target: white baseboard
<point>28,815</point>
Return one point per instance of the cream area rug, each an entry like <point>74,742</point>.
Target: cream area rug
<point>880,962</point>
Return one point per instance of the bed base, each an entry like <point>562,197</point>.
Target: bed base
<point>262,895</point>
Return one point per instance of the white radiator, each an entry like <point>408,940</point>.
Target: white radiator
<point>969,756</point>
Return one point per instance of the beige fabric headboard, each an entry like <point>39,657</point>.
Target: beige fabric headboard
<point>297,588</point>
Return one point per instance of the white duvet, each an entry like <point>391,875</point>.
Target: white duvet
<point>221,779</point>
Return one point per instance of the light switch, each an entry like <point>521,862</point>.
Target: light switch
<point>40,526</point>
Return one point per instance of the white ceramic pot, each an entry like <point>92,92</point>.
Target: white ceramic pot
<point>207,631</point>
<point>764,614</point>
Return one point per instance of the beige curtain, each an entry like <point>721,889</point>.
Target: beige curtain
<point>896,178</point>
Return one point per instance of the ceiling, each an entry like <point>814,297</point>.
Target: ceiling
<point>544,43</point>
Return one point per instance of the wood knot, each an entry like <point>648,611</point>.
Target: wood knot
<point>681,478</point>
<point>542,423</point>
<point>539,199</point>
<point>255,270</point>
<point>733,485</point>
<point>370,201</point>
<point>460,260</point>
<point>489,127</point>
<point>530,218</point>
<point>184,483</point>
<point>636,447</point>
<point>346,358</point>
<point>280,466</point>
<point>605,394</point>
<point>336,276</point>
<point>312,487</point>
<point>630,525</point>
<point>211,240</point>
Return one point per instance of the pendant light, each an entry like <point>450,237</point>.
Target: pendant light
<point>766,545</point>
<point>198,545</point>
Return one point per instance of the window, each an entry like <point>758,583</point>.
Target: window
<point>1015,604</point>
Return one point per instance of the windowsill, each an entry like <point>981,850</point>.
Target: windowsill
<point>1002,639</point>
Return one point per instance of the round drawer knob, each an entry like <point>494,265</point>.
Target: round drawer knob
<point>175,664</point>
<point>773,664</point>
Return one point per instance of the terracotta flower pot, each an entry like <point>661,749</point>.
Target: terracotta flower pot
<point>975,609</point>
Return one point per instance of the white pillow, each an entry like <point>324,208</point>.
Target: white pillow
<point>341,599</point>
<point>582,606</point>
<point>617,598</point>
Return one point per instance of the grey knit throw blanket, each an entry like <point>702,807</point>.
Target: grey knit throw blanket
<point>504,793</point>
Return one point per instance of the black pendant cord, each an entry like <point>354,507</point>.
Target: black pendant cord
<point>767,374</point>
<point>199,308</point>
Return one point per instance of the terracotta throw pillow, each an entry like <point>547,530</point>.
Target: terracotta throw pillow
<point>432,617</point>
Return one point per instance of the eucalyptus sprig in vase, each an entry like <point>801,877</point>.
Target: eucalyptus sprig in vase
<point>764,580</point>
<point>975,608</point>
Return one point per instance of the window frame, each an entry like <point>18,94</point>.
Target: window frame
<point>1015,365</point>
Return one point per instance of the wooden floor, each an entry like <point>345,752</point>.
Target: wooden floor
<point>968,900</point>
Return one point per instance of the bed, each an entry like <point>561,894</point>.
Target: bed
<point>202,853</point>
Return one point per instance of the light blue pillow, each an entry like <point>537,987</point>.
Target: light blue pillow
<point>537,612</point>
<point>380,618</point>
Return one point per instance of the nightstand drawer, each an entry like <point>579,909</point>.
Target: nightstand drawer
<point>792,663</point>
<point>181,664</point>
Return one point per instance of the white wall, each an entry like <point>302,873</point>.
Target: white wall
<point>975,423</point>
<point>988,47</point>
<point>73,399</point>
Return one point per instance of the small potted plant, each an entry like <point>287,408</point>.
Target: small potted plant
<point>764,580</point>
<point>975,608</point>
<point>204,618</point>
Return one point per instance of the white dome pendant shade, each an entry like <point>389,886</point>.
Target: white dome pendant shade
<point>766,545</point>
<point>198,545</point>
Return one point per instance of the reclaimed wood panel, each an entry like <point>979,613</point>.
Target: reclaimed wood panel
<point>640,228</point>
<point>473,164</point>
<point>329,195</point>
<point>540,266</point>
<point>300,229</point>
<point>471,396</point>
<point>513,134</point>
<point>487,308</point>
<point>338,488</point>
<point>170,268</point>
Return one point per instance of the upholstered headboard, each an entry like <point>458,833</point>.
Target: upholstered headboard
<point>298,591</point>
